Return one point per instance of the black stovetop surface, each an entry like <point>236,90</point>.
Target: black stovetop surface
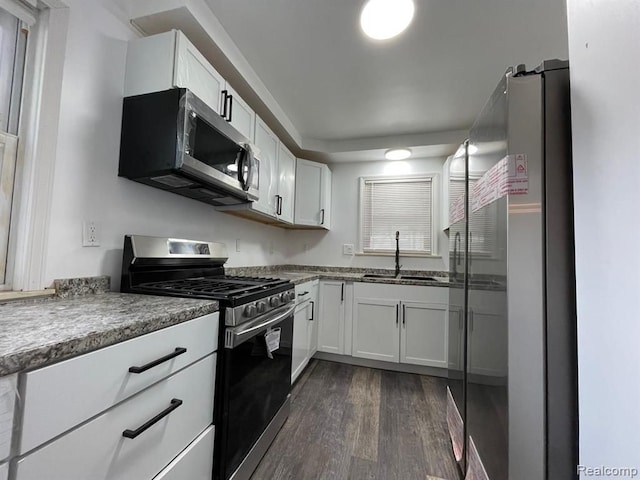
<point>227,289</point>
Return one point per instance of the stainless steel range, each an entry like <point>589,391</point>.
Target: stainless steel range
<point>255,346</point>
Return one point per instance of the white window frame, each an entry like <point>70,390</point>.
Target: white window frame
<point>435,214</point>
<point>38,134</point>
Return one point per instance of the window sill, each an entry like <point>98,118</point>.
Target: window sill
<point>392,254</point>
<point>12,295</point>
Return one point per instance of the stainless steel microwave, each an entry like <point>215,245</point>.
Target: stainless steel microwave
<point>172,140</point>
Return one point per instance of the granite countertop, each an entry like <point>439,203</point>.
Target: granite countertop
<point>306,273</point>
<point>302,274</point>
<point>33,334</point>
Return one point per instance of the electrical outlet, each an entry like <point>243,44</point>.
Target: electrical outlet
<point>90,237</point>
<point>347,249</point>
<point>237,245</point>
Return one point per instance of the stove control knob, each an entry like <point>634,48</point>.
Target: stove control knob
<point>250,311</point>
<point>274,302</point>
<point>287,297</point>
<point>261,306</point>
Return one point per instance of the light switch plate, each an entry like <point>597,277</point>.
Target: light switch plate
<point>347,249</point>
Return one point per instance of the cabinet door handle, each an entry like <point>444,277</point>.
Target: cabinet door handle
<point>404,316</point>
<point>278,205</point>
<point>302,294</point>
<point>313,307</point>
<point>175,403</point>
<point>397,314</point>
<point>322,217</point>
<point>230,97</point>
<point>224,103</point>
<point>177,352</point>
<point>342,293</point>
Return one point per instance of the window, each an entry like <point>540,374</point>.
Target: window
<point>397,204</point>
<point>13,41</point>
<point>482,223</point>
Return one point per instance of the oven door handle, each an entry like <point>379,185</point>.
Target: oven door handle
<point>238,335</point>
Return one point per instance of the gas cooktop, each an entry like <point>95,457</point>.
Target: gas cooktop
<point>217,288</point>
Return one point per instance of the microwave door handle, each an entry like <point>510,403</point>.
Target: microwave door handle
<point>248,161</point>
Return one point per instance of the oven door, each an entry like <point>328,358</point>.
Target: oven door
<point>256,383</point>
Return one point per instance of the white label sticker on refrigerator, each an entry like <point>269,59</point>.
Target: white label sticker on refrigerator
<point>509,176</point>
<point>518,180</point>
<point>273,339</point>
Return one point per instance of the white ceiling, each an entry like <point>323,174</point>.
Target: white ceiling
<point>339,88</point>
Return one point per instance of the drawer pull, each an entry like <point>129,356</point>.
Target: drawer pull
<point>175,403</point>
<point>178,351</point>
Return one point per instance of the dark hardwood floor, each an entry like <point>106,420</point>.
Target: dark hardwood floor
<point>357,423</point>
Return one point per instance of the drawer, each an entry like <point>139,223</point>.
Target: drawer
<point>84,386</point>
<point>408,293</point>
<point>305,291</point>
<point>99,451</point>
<point>4,471</point>
<point>8,389</point>
<point>194,463</point>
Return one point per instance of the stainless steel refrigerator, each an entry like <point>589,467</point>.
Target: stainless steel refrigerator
<point>512,396</point>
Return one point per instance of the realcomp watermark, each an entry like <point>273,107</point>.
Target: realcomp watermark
<point>604,471</point>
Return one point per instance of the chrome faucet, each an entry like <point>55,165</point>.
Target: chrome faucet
<point>398,254</point>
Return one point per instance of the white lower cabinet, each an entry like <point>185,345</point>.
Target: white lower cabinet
<point>305,332</point>
<point>99,449</point>
<point>401,324</point>
<point>84,386</point>
<point>487,330</point>
<point>8,394</point>
<point>424,334</point>
<point>195,462</point>
<point>300,354</point>
<point>331,319</point>
<point>376,329</point>
<point>4,471</point>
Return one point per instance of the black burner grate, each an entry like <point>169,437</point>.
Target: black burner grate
<point>225,287</point>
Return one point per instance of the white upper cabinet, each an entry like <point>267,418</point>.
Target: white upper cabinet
<point>168,60</point>
<point>286,184</point>
<point>313,194</point>
<point>267,144</point>
<point>238,113</point>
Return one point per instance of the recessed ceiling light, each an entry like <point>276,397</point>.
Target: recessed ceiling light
<point>384,19</point>
<point>397,154</point>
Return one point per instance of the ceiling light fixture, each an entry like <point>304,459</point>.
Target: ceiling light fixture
<point>397,154</point>
<point>384,19</point>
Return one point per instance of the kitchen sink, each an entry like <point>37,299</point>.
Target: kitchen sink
<point>373,275</point>
<point>412,277</point>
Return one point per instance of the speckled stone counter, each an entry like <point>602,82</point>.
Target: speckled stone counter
<point>33,334</point>
<point>305,273</point>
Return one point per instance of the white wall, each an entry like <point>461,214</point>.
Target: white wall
<point>604,48</point>
<point>325,248</point>
<point>86,185</point>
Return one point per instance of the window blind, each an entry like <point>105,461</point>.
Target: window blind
<point>391,205</point>
<point>482,223</point>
